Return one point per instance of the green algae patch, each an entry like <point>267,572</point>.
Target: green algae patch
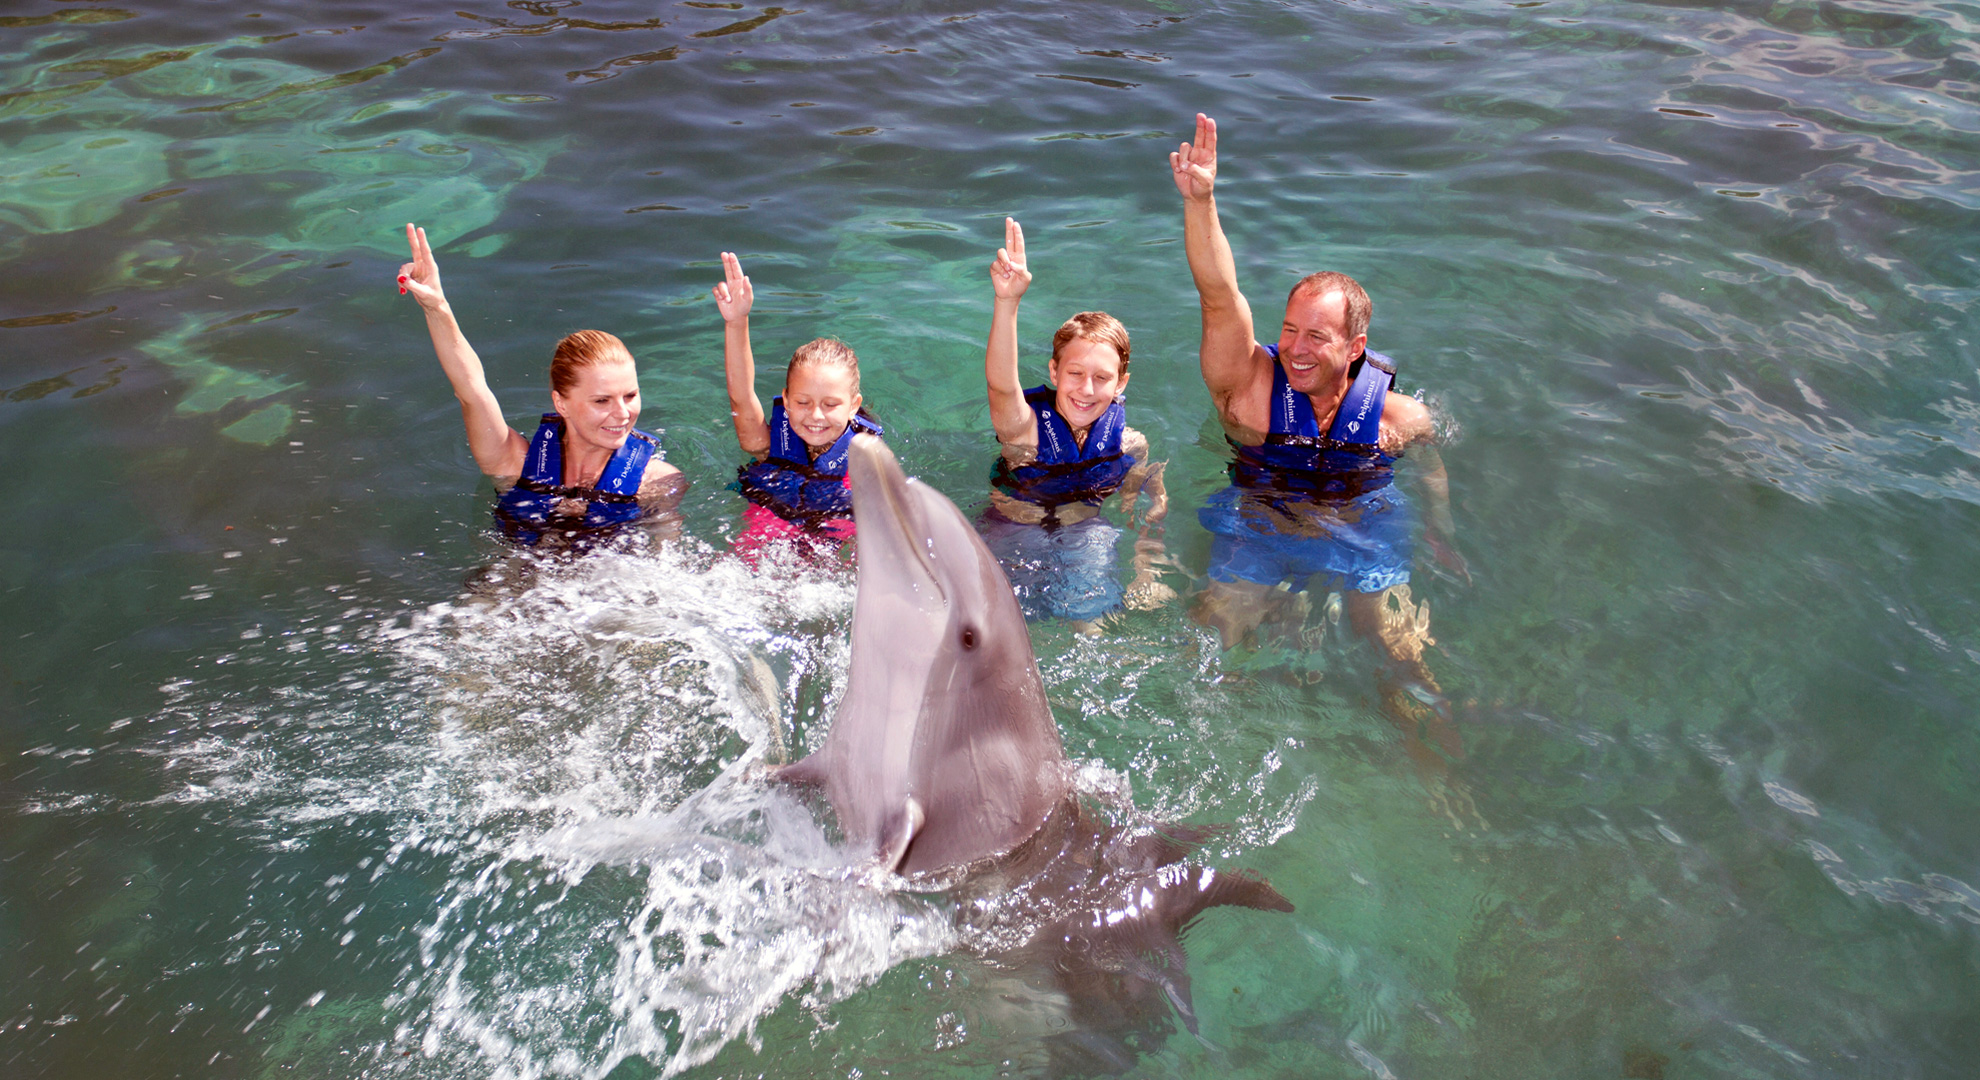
<point>320,84</point>
<point>59,183</point>
<point>262,426</point>
<point>74,17</point>
<point>484,246</point>
<point>214,385</point>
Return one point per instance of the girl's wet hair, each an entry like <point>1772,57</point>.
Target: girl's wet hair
<point>824,352</point>
<point>1093,326</point>
<point>581,350</point>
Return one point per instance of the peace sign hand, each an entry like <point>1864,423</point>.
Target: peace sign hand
<point>733,296</point>
<point>421,276</point>
<point>1195,164</point>
<point>1008,275</point>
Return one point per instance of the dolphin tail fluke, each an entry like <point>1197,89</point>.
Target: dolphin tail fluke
<point>1183,898</point>
<point>1240,888</point>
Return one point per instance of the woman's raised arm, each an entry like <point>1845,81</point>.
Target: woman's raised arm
<point>497,448</point>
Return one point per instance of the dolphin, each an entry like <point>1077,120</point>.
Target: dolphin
<point>943,761</point>
<point>943,751</point>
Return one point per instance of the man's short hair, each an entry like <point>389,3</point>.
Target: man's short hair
<point>1359,307</point>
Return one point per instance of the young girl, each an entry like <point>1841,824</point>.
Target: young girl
<point>586,468</point>
<point>1065,448</point>
<point>797,486</point>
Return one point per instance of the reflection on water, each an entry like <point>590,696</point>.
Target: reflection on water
<point>1694,286</point>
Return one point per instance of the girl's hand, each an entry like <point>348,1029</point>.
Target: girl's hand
<point>421,276</point>
<point>734,295</point>
<point>1008,276</point>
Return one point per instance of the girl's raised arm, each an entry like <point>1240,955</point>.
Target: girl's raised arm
<point>734,297</point>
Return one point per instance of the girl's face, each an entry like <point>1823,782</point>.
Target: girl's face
<point>820,401</point>
<point>1087,377</point>
<point>600,410</point>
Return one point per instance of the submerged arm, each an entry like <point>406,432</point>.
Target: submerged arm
<point>1414,430</point>
<point>1146,590</point>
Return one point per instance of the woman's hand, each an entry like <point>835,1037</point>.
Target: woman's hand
<point>734,295</point>
<point>1008,275</point>
<point>421,276</point>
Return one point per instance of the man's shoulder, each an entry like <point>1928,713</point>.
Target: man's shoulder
<point>1407,418</point>
<point>1245,404</point>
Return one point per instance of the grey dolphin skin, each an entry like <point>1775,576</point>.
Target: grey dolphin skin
<point>943,751</point>
<point>944,757</point>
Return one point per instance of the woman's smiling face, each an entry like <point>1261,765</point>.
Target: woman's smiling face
<point>601,408</point>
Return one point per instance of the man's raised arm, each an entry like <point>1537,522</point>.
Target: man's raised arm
<point>1229,349</point>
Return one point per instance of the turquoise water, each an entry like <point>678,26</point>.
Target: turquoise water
<point>1692,289</point>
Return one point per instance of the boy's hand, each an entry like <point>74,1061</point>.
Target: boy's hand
<point>733,296</point>
<point>1008,276</point>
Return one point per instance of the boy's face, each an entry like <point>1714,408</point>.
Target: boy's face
<point>1087,377</point>
<point>820,401</point>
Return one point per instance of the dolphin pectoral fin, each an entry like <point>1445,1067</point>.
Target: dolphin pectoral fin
<point>759,690</point>
<point>894,846</point>
<point>810,772</point>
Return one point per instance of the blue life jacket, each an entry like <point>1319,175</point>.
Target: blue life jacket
<point>524,511</point>
<point>794,487</point>
<point>1065,471</point>
<point>1345,462</point>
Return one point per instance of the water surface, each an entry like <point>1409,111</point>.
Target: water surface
<point>1692,288</point>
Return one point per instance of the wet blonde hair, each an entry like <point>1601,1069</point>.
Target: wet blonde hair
<point>1096,326</point>
<point>824,352</point>
<point>581,350</point>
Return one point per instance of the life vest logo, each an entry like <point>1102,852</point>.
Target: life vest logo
<point>1353,426</point>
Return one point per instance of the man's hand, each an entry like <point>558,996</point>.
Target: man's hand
<point>1195,164</point>
<point>1008,275</point>
<point>734,295</point>
<point>421,276</point>
<point>1447,557</point>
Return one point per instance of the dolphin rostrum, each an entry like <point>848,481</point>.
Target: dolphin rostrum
<point>943,751</point>
<point>943,759</point>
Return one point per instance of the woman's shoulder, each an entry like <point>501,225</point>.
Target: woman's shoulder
<point>662,484</point>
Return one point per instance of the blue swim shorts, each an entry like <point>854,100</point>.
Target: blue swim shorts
<point>1067,572</point>
<point>1357,545</point>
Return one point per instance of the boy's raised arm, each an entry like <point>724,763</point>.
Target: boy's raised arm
<point>1009,277</point>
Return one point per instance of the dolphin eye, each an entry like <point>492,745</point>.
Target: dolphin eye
<point>969,637</point>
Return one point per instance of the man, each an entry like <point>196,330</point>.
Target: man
<point>1317,429</point>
